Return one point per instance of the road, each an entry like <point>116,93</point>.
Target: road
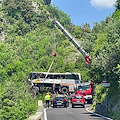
<point>77,113</point>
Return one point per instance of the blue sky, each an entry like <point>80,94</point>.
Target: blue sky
<point>82,11</point>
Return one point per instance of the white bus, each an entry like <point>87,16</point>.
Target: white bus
<point>61,82</point>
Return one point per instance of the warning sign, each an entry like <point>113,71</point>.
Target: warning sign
<point>105,84</point>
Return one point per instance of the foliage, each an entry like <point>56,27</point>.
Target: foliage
<point>117,5</point>
<point>106,53</point>
<point>100,94</point>
<point>116,15</point>
<point>16,101</point>
<point>27,47</point>
<point>30,39</point>
<point>55,13</point>
<point>41,96</point>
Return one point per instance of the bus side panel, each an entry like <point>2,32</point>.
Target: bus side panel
<point>71,88</point>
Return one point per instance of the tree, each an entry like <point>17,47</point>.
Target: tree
<point>117,5</point>
<point>16,99</point>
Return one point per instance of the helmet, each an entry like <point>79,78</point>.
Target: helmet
<point>47,93</point>
<point>66,93</point>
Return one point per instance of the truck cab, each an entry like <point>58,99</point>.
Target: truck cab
<point>87,90</point>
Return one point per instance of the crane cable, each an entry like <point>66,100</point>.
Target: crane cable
<point>51,65</point>
<point>53,40</point>
<point>54,53</point>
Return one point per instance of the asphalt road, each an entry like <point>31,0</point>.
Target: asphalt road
<point>77,113</point>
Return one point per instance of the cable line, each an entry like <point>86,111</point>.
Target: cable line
<point>54,53</point>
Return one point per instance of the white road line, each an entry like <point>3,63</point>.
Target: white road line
<point>98,115</point>
<point>45,114</point>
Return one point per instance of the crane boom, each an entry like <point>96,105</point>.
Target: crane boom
<point>73,40</point>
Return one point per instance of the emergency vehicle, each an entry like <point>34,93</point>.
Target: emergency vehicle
<point>87,90</point>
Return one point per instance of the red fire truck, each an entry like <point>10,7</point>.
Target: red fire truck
<point>87,90</point>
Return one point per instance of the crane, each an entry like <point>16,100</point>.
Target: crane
<point>73,40</point>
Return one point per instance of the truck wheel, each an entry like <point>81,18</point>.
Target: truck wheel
<point>64,89</point>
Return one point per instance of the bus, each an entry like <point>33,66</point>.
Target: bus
<point>60,82</point>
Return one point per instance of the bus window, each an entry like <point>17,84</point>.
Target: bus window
<point>56,76</point>
<point>62,76</point>
<point>77,81</point>
<point>37,75</point>
<point>42,76</point>
<point>49,76</point>
<point>30,75</point>
<point>72,76</point>
<point>34,76</point>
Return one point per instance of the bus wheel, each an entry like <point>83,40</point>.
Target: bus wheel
<point>64,89</point>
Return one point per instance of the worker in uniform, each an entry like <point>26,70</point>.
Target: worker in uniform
<point>47,99</point>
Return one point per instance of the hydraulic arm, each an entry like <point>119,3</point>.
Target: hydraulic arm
<point>73,40</point>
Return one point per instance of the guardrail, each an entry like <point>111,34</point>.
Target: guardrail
<point>40,113</point>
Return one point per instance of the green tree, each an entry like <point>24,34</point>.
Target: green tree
<point>16,102</point>
<point>117,5</point>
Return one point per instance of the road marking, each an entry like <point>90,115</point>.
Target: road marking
<point>45,114</point>
<point>98,114</point>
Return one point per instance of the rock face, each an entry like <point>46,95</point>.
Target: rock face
<point>36,7</point>
<point>2,36</point>
<point>47,2</point>
<point>109,106</point>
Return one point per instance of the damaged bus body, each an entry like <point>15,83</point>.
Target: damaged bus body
<point>58,82</point>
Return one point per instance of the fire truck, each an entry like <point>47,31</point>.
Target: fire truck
<point>87,90</point>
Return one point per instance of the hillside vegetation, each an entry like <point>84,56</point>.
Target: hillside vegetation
<point>28,40</point>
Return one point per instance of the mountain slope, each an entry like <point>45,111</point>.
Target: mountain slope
<point>28,40</point>
<point>27,45</point>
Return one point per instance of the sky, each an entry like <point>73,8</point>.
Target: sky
<point>86,11</point>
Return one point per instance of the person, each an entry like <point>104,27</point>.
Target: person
<point>57,93</point>
<point>51,98</point>
<point>67,96</point>
<point>71,95</point>
<point>54,85</point>
<point>47,99</point>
